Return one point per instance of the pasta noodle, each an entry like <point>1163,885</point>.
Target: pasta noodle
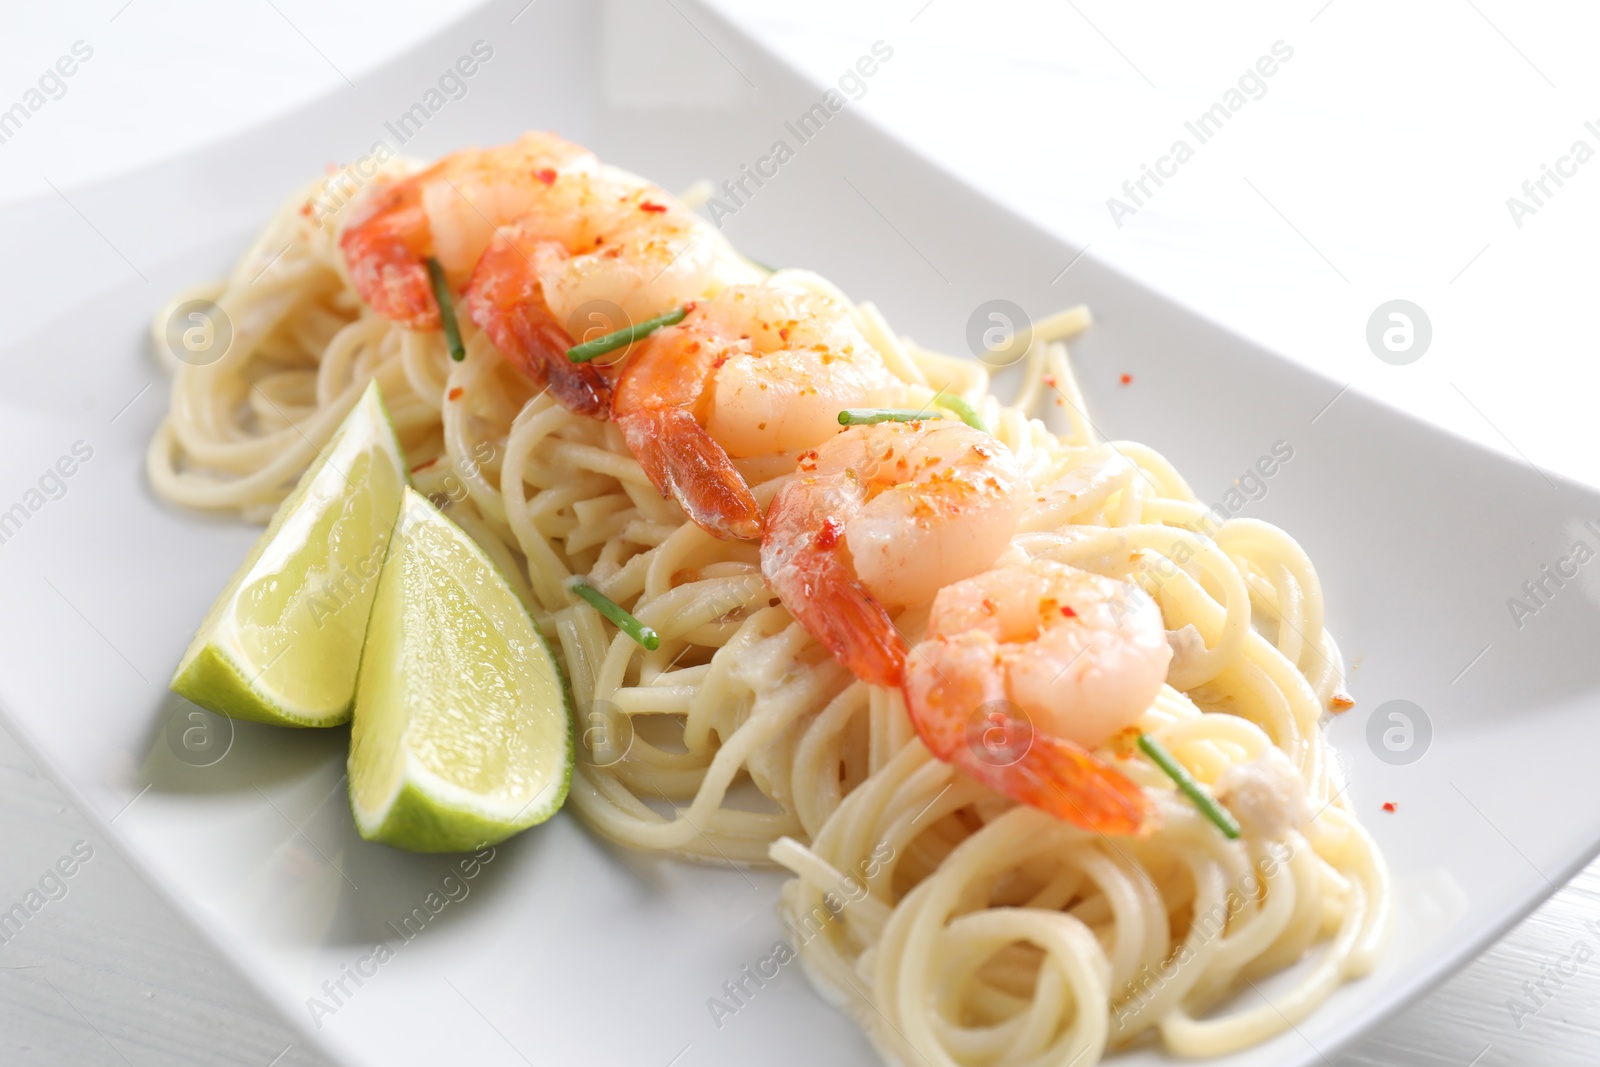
<point>956,926</point>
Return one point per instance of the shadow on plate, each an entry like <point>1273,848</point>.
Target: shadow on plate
<point>189,750</point>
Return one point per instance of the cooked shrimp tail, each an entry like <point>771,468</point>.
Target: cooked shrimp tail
<point>655,405</point>
<point>802,553</point>
<point>506,300</point>
<point>683,462</point>
<point>385,248</point>
<point>1061,779</point>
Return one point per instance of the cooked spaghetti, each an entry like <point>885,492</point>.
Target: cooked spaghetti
<point>957,925</point>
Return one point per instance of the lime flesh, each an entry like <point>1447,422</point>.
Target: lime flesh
<point>462,732</point>
<point>282,642</point>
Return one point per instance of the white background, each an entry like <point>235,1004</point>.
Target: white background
<point>1376,166</point>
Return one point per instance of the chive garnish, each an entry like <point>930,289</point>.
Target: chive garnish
<point>1190,788</point>
<point>868,416</point>
<point>447,310</point>
<point>626,336</point>
<point>623,620</point>
<point>962,410</point>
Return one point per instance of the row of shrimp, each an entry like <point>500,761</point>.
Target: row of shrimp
<point>1026,665</point>
<point>875,520</point>
<point>536,234</point>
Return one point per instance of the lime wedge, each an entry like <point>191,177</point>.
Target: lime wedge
<point>281,643</point>
<point>462,732</point>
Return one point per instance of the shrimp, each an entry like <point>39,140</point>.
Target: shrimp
<point>448,211</point>
<point>880,517</point>
<point>754,371</point>
<point>605,241</point>
<point>532,230</point>
<point>1049,660</point>
<point>505,300</point>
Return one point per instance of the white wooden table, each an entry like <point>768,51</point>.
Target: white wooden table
<point>109,975</point>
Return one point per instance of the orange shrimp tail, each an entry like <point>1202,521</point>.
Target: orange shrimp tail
<point>384,251</point>
<point>844,619</point>
<point>683,462</point>
<point>655,402</point>
<point>505,298</point>
<point>809,567</point>
<point>1062,779</point>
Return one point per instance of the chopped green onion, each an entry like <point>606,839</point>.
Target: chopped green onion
<point>1190,788</point>
<point>624,337</point>
<point>963,411</point>
<point>868,416</point>
<point>624,621</point>
<point>447,310</point>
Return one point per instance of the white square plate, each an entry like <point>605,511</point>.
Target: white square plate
<point>561,949</point>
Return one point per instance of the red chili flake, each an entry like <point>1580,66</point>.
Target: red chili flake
<point>454,393</point>
<point>424,466</point>
<point>546,175</point>
<point>652,207</point>
<point>1050,380</point>
<point>1341,701</point>
<point>305,209</point>
<point>1127,379</point>
<point>828,536</point>
<point>1125,741</point>
<point>1066,609</point>
<point>808,460</point>
<point>1388,805</point>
